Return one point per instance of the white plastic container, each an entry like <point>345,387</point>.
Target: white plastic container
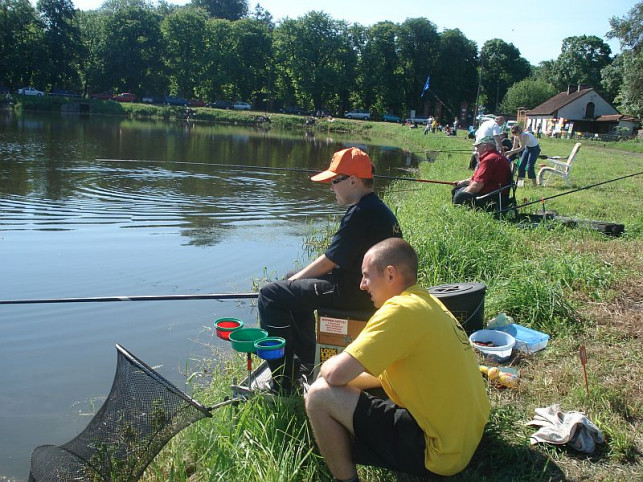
<point>503,342</point>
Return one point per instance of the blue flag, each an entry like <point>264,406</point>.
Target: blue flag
<point>426,86</point>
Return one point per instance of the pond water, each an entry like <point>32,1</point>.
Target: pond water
<point>106,206</point>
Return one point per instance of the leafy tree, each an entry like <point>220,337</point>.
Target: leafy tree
<point>612,78</point>
<point>379,73</point>
<point>629,30</point>
<point>62,44</point>
<point>315,61</point>
<point>20,36</point>
<point>419,44</point>
<point>527,93</point>
<point>227,9</point>
<point>91,25</point>
<point>263,16</point>
<point>581,60</point>
<point>502,66</point>
<point>457,78</point>
<point>219,60</point>
<point>133,50</point>
<point>184,33</point>
<point>252,55</point>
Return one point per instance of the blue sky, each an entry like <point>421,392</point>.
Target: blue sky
<point>536,28</point>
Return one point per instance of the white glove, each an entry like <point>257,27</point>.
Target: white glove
<point>558,427</point>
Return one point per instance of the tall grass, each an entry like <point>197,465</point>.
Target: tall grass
<point>559,280</point>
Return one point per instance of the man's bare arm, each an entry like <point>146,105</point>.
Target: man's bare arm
<point>319,267</point>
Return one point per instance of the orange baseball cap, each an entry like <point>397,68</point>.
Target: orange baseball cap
<point>349,162</point>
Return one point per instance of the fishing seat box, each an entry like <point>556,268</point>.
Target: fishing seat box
<point>336,329</point>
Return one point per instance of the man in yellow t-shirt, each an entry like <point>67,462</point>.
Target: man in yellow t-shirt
<point>419,354</point>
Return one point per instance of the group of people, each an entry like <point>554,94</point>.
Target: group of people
<point>433,126</point>
<point>491,161</point>
<point>428,423</point>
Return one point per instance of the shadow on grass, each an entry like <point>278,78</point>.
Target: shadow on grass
<point>495,460</point>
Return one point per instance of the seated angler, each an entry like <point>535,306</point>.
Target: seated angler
<point>412,347</point>
<point>493,171</point>
<point>286,308</point>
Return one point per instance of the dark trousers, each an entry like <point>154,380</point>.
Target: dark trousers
<point>459,196</point>
<point>528,161</point>
<point>286,309</point>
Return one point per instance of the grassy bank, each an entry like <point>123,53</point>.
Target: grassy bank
<point>577,285</point>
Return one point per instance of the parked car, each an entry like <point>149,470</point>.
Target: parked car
<point>358,114</point>
<point>62,93</point>
<point>220,104</point>
<point>30,91</point>
<point>102,96</point>
<point>241,106</point>
<point>125,97</point>
<point>293,110</point>
<point>196,103</point>
<point>391,118</point>
<point>171,100</point>
<point>150,99</point>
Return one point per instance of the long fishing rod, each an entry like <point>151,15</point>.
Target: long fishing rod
<point>233,166</point>
<point>270,168</point>
<point>572,191</point>
<point>98,299</point>
<point>443,150</point>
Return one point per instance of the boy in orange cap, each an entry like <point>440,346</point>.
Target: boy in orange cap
<point>286,308</point>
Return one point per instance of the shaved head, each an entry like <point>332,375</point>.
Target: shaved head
<point>395,252</point>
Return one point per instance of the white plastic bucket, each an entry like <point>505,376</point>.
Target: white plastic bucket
<point>503,342</point>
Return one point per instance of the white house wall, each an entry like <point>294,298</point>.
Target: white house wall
<point>576,110</point>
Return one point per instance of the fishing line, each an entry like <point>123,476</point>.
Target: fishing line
<point>570,192</point>
<point>270,168</point>
<point>95,299</point>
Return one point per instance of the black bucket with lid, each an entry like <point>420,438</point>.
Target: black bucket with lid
<point>465,301</point>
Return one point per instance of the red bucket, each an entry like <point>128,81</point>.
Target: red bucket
<point>225,326</point>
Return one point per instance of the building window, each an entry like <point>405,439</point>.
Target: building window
<point>589,110</point>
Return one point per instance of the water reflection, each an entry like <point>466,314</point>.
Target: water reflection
<point>165,217</point>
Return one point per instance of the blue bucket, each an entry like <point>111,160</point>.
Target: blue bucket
<point>270,348</point>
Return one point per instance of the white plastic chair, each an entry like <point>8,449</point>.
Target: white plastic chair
<point>560,168</point>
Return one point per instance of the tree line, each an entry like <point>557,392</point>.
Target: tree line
<point>219,49</point>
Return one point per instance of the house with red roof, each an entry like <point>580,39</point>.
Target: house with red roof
<point>579,110</point>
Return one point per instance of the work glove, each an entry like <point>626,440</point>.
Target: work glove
<point>558,427</point>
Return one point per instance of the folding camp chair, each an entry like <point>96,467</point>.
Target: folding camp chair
<point>560,168</point>
<point>501,201</point>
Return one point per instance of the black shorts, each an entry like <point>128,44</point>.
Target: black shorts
<point>387,436</point>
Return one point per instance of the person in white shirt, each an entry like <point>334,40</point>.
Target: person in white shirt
<point>526,143</point>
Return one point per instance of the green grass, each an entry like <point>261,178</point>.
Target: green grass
<point>577,285</point>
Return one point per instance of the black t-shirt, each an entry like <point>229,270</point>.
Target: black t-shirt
<point>366,223</point>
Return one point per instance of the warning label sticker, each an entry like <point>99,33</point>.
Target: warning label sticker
<point>333,325</point>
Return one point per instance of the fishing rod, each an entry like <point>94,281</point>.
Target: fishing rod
<point>98,299</point>
<point>570,192</point>
<point>233,166</point>
<point>443,150</point>
<point>270,168</point>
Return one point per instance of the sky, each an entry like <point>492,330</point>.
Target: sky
<point>535,28</point>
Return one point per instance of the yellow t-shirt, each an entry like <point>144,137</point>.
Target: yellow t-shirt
<point>425,363</point>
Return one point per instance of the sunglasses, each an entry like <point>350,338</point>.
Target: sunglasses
<point>339,179</point>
